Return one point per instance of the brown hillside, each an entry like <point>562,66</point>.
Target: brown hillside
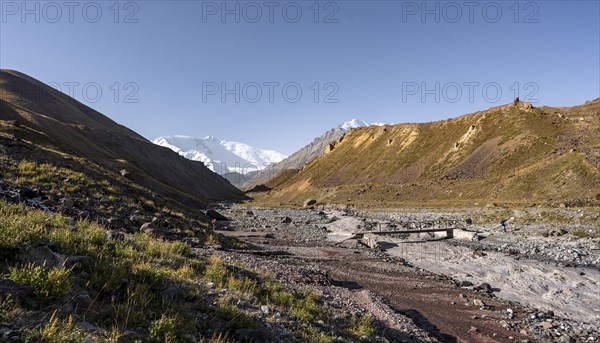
<point>54,121</point>
<point>508,154</point>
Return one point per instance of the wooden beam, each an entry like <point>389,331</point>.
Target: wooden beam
<point>402,231</point>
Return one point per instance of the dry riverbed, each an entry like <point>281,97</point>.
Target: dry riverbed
<point>506,287</point>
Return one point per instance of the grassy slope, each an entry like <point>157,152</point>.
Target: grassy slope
<point>97,192</point>
<point>507,154</point>
<point>125,278</point>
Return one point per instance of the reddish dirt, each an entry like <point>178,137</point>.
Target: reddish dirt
<point>433,303</point>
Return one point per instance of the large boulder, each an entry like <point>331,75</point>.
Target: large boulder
<point>309,202</point>
<point>458,234</point>
<point>283,220</point>
<point>173,293</point>
<point>17,291</point>
<point>43,256</point>
<point>116,223</point>
<point>216,215</point>
<point>153,230</point>
<point>252,335</point>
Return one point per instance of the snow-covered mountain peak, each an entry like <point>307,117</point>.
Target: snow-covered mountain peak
<point>352,124</point>
<point>219,155</point>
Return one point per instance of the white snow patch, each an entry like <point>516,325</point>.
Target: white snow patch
<point>219,155</point>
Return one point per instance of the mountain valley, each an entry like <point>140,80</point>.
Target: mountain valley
<point>481,228</point>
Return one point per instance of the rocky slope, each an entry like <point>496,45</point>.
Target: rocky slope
<point>508,154</point>
<point>60,128</point>
<point>296,161</point>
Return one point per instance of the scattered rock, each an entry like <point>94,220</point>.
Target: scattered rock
<point>251,335</point>
<point>114,235</point>
<point>218,324</point>
<point>212,214</point>
<point>16,290</point>
<point>146,227</point>
<point>27,192</point>
<point>463,283</point>
<point>67,203</point>
<point>83,300</point>
<point>478,302</point>
<point>484,287</point>
<point>76,260</point>
<point>425,235</point>
<point>67,309</point>
<point>283,220</point>
<point>172,293</point>
<point>44,257</point>
<point>135,220</point>
<point>558,232</point>
<point>565,339</point>
<point>265,309</point>
<point>309,202</point>
<point>116,223</point>
<point>479,253</point>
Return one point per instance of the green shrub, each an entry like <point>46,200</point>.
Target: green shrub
<point>56,331</point>
<point>236,318</point>
<point>163,330</point>
<point>307,310</point>
<point>361,326</point>
<point>49,284</point>
<point>282,298</point>
<point>19,229</point>
<point>216,271</point>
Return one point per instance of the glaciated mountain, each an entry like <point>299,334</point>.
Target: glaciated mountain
<point>347,126</point>
<point>297,160</point>
<point>221,156</point>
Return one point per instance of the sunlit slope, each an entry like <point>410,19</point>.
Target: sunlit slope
<point>508,154</point>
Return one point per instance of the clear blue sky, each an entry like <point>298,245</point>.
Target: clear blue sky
<point>376,56</point>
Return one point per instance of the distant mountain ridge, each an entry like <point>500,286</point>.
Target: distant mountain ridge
<point>298,159</point>
<point>219,155</point>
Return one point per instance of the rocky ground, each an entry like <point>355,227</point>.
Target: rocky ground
<point>428,293</point>
<point>536,282</point>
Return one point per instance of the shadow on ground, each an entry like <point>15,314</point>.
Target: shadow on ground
<point>427,326</point>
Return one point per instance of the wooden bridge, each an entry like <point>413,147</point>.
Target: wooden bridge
<point>369,237</point>
<point>449,232</point>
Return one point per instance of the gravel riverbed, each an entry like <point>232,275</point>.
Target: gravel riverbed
<point>505,287</point>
